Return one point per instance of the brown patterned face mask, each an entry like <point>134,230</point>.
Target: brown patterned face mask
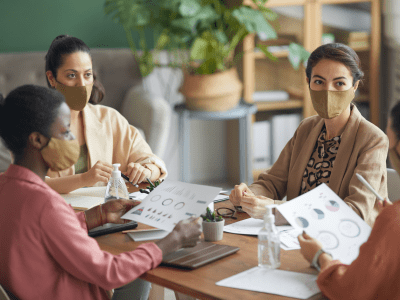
<point>330,104</point>
<point>60,154</point>
<point>76,96</point>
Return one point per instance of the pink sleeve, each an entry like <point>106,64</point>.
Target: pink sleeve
<point>373,272</point>
<point>69,244</point>
<point>82,220</point>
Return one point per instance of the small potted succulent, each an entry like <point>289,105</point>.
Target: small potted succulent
<point>151,187</point>
<point>213,226</point>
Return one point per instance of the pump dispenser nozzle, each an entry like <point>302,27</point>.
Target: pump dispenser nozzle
<point>269,217</point>
<point>116,173</point>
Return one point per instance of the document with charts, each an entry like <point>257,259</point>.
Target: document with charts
<point>171,202</point>
<point>326,217</point>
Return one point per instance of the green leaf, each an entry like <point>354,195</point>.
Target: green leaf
<point>268,54</point>
<point>297,54</point>
<point>254,21</point>
<point>199,49</point>
<point>189,7</point>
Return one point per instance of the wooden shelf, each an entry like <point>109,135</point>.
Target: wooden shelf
<point>278,105</point>
<point>277,54</point>
<point>360,49</point>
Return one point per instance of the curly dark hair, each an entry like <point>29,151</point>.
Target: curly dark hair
<point>27,109</point>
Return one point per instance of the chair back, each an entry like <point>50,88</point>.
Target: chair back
<point>393,182</point>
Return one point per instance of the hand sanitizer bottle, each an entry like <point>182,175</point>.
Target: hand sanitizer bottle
<point>116,188</point>
<point>269,255</point>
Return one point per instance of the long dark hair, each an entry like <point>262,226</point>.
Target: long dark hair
<point>337,52</point>
<point>27,109</point>
<point>63,45</point>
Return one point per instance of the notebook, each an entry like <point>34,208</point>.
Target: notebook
<point>202,254</point>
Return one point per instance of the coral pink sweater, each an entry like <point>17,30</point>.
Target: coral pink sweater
<point>45,251</point>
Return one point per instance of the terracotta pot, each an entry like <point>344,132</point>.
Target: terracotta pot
<point>215,92</point>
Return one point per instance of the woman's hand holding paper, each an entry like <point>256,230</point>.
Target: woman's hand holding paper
<point>309,246</point>
<point>113,210</point>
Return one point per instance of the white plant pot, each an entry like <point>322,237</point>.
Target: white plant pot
<point>213,231</point>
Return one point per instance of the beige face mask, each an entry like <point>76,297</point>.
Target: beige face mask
<point>76,96</point>
<point>61,154</point>
<point>330,104</point>
<point>394,159</point>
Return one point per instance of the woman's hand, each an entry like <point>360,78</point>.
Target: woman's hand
<point>186,234</point>
<point>383,204</point>
<point>255,205</point>
<point>101,171</point>
<point>238,192</point>
<point>309,246</point>
<point>137,173</point>
<point>113,210</point>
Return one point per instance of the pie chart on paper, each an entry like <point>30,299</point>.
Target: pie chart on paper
<point>332,205</point>
<point>302,222</point>
<point>317,214</point>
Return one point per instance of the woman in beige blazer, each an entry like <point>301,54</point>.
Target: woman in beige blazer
<point>328,148</point>
<point>104,135</point>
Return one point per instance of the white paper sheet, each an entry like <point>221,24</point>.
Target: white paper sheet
<point>326,217</point>
<point>288,235</point>
<point>85,197</point>
<point>171,202</point>
<point>138,196</point>
<point>146,235</point>
<point>278,282</point>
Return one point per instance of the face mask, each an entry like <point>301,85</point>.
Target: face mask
<point>76,96</point>
<point>394,159</point>
<point>61,154</point>
<point>330,104</point>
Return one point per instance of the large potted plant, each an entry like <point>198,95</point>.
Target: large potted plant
<point>203,35</point>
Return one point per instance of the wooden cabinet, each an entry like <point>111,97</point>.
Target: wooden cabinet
<point>259,73</point>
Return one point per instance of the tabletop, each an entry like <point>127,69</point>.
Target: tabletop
<point>200,283</point>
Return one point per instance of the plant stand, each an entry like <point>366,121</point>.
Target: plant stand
<point>242,112</point>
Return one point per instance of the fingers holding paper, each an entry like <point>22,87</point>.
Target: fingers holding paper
<point>115,209</point>
<point>190,231</point>
<point>309,246</point>
<point>255,205</point>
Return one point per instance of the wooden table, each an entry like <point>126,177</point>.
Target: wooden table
<point>200,283</point>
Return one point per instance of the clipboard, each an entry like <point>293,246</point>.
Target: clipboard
<point>200,255</point>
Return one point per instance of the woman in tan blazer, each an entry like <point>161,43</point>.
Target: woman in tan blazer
<point>104,135</point>
<point>330,147</point>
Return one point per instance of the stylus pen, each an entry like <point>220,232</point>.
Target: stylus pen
<point>127,179</point>
<point>369,186</point>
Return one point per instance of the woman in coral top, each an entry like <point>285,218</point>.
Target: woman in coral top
<point>104,135</point>
<point>376,271</point>
<point>45,250</point>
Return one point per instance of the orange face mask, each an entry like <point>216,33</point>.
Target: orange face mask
<point>76,96</point>
<point>60,154</point>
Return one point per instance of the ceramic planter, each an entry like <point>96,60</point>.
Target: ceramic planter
<point>213,231</point>
<point>216,92</point>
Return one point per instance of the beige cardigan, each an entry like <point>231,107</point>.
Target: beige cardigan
<point>110,138</point>
<point>363,149</point>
